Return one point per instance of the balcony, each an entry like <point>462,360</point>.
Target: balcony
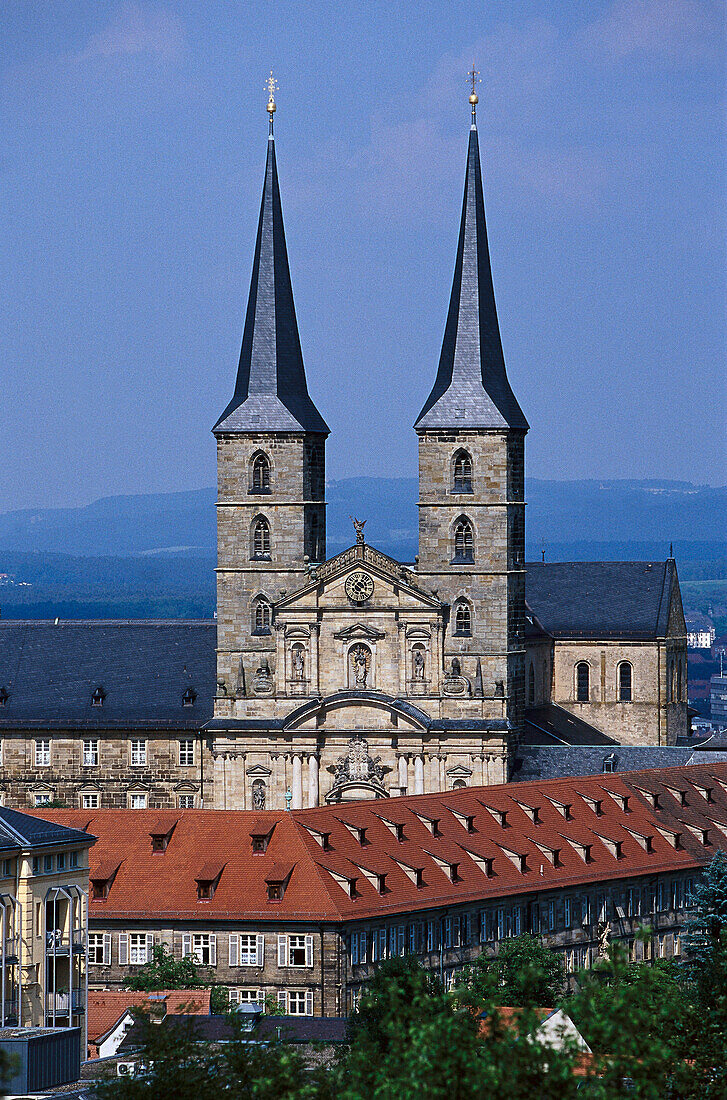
<point>57,942</point>
<point>11,948</point>
<point>57,1003</point>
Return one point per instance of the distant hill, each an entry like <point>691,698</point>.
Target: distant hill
<point>153,556</point>
<point>645,514</point>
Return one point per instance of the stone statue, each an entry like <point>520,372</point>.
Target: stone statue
<point>604,937</point>
<point>298,664</point>
<point>359,525</point>
<point>357,765</point>
<point>258,795</point>
<point>418,664</point>
<point>360,666</point>
<point>456,669</point>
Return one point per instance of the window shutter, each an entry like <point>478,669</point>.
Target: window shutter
<point>233,950</point>
<point>213,950</point>
<point>283,999</point>
<point>282,951</point>
<point>123,948</point>
<point>309,1003</point>
<point>107,949</point>
<point>149,946</point>
<point>260,960</point>
<point>309,951</point>
<point>362,947</point>
<point>186,944</point>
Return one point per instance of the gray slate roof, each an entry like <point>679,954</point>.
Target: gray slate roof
<point>50,673</point>
<point>552,725</point>
<point>271,394</point>
<point>554,762</point>
<point>596,599</point>
<point>471,389</point>
<point>19,830</point>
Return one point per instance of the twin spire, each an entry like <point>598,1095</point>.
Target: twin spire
<point>471,390</point>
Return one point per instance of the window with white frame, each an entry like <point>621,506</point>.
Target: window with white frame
<point>186,752</point>
<point>447,932</point>
<point>90,800</point>
<point>295,950</point>
<point>137,801</point>
<point>139,948</point>
<point>42,753</point>
<point>203,946</point>
<point>90,752</point>
<point>99,948</point>
<point>186,801</point>
<point>300,1002</point>
<point>42,798</point>
<point>362,947</point>
<point>138,752</point>
<point>246,949</point>
<point>247,997</point>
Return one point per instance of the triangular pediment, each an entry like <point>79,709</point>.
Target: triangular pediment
<point>359,630</point>
<point>390,574</point>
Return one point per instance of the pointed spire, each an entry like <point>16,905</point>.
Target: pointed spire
<point>271,393</point>
<point>471,389</point>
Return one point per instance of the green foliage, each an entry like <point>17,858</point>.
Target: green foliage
<point>178,1068</point>
<point>163,971</point>
<point>524,973</point>
<point>219,1000</point>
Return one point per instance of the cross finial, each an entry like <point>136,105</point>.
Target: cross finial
<point>272,85</point>
<point>473,77</point>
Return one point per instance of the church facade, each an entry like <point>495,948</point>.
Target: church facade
<point>359,676</point>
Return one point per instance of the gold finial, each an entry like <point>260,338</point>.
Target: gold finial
<point>272,84</point>
<point>474,78</point>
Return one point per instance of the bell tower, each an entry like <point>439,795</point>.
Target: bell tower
<point>472,477</point>
<point>270,462</point>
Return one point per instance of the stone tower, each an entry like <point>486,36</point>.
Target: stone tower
<point>471,478</point>
<point>270,463</point>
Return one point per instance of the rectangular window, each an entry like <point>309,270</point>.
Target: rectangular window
<point>447,932</point>
<point>7,868</point>
<point>500,924</point>
<point>42,798</point>
<point>251,949</point>
<point>602,909</point>
<point>517,920</point>
<point>139,948</point>
<point>430,935</point>
<point>247,997</point>
<point>585,910</point>
<point>61,861</point>
<point>138,752</point>
<point>90,801</point>
<point>551,916</point>
<point>73,859</point>
<point>99,948</point>
<point>137,801</point>
<point>36,865</point>
<point>660,899</point>
<point>354,949</point>
<point>299,950</point>
<point>204,948</point>
<point>300,1003</point>
<point>412,939</point>
<point>90,753</point>
<point>400,939</point>
<point>186,801</point>
<point>47,864</point>
<point>467,929</point>
<point>42,756</point>
<point>567,910</point>
<point>186,753</point>
<point>362,947</point>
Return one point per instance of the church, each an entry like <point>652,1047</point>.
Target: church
<point>328,680</point>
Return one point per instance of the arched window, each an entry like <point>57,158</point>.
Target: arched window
<point>462,619</point>
<point>583,681</point>
<point>624,682</point>
<point>462,472</point>
<point>261,616</point>
<point>261,538</point>
<point>458,784</point>
<point>260,474</point>
<point>464,542</point>
<point>531,686</point>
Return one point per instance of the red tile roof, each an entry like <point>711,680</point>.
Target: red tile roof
<point>610,815</point>
<point>106,1007</point>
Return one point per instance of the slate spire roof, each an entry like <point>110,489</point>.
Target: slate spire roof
<point>471,389</point>
<point>271,393</point>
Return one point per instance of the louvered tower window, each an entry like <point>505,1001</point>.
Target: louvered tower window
<point>462,473</point>
<point>261,538</point>
<point>464,542</point>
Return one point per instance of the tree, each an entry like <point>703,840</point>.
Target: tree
<point>163,971</point>
<point>175,1066</point>
<point>524,972</point>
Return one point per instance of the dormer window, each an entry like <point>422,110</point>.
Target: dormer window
<point>277,880</point>
<point>3,696</point>
<point>102,880</point>
<point>189,697</point>
<point>207,880</point>
<point>160,835</point>
<point>260,835</point>
<point>98,697</point>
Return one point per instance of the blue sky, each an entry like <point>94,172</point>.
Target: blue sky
<point>131,166</point>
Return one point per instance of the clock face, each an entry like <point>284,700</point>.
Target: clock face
<point>359,586</point>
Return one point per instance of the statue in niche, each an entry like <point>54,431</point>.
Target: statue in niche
<point>456,669</point>
<point>418,664</point>
<point>298,663</point>
<point>360,656</point>
<point>258,794</point>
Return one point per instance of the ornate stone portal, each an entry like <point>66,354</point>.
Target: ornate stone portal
<point>358,775</point>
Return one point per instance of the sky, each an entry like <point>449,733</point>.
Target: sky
<point>131,167</point>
